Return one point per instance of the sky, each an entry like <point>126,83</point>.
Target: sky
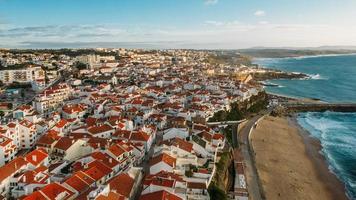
<point>199,24</point>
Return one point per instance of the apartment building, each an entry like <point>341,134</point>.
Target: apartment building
<point>26,75</point>
<point>49,99</point>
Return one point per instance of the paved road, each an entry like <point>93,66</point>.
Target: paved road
<point>251,171</point>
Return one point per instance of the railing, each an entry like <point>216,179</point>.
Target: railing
<point>252,153</point>
<point>225,122</point>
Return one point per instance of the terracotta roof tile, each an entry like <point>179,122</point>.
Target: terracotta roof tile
<point>99,129</point>
<point>122,184</point>
<point>163,158</point>
<point>12,167</point>
<point>36,156</point>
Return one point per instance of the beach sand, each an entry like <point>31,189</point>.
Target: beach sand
<point>289,163</point>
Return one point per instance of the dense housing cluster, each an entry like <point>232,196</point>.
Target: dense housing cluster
<point>123,126</point>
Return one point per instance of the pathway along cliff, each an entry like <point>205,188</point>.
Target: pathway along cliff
<point>254,186</point>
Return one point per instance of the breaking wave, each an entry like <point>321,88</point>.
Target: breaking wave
<point>316,77</point>
<point>337,135</point>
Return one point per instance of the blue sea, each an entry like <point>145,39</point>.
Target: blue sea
<point>333,79</point>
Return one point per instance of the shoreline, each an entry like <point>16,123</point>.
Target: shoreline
<point>306,56</point>
<point>289,162</point>
<point>313,150</point>
<point>286,98</point>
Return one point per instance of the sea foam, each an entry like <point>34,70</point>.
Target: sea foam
<point>337,135</point>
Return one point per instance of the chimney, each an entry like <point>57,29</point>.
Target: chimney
<point>34,158</point>
<point>110,160</point>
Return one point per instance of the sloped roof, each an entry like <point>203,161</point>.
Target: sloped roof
<point>122,184</point>
<point>11,167</point>
<point>163,158</point>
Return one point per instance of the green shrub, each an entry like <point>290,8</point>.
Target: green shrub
<point>216,193</point>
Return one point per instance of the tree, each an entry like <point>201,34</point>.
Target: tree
<point>23,94</point>
<point>235,113</point>
<point>216,193</point>
<point>219,116</point>
<point>80,65</point>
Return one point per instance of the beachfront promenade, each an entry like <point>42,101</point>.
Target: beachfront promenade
<point>241,141</point>
<point>254,185</point>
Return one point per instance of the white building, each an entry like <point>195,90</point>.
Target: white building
<point>26,75</point>
<point>52,97</point>
<point>27,134</point>
<point>163,162</point>
<point>8,150</point>
<point>175,132</point>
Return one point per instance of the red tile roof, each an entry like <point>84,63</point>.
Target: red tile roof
<point>116,150</point>
<point>47,139</point>
<point>194,185</point>
<point>11,125</point>
<point>207,136</point>
<point>97,170</point>
<point>61,123</point>
<point>99,129</point>
<point>64,143</point>
<point>94,173</point>
<point>160,182</point>
<point>11,167</point>
<point>91,121</point>
<point>85,178</point>
<point>77,183</point>
<point>200,127</point>
<point>122,184</point>
<point>36,156</point>
<point>74,108</point>
<point>139,136</point>
<point>51,191</point>
<point>29,177</point>
<point>26,123</point>
<point>163,158</point>
<point>182,144</point>
<point>105,159</point>
<point>218,136</point>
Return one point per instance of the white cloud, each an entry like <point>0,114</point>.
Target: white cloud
<point>214,23</point>
<point>263,22</point>
<point>209,34</point>
<point>67,31</point>
<point>222,24</point>
<point>260,13</point>
<point>210,2</point>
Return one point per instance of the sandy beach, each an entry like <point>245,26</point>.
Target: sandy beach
<point>290,165</point>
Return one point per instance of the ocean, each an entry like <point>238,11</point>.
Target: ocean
<point>333,79</point>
